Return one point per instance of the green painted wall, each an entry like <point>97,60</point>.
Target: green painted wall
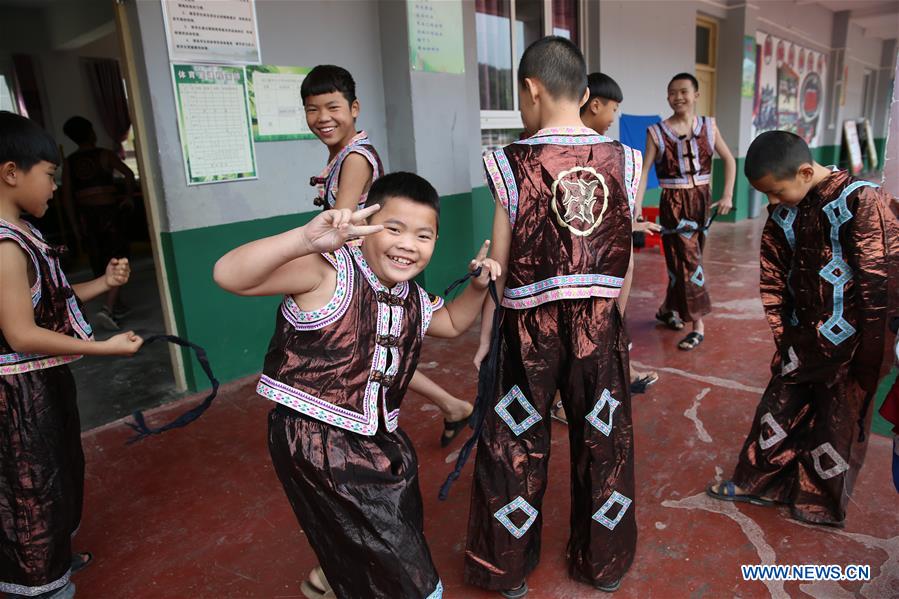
<point>236,330</point>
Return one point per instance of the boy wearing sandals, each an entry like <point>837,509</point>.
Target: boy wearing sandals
<point>562,224</point>
<point>682,147</point>
<point>347,341</point>
<point>598,113</point>
<point>828,259</point>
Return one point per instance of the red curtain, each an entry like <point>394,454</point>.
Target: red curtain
<point>108,90</point>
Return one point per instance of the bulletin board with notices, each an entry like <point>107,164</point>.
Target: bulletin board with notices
<point>436,43</point>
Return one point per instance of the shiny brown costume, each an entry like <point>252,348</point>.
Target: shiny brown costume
<point>684,168</point>
<point>329,178</point>
<point>339,374</point>
<point>41,461</point>
<point>568,194</point>
<point>825,266</point>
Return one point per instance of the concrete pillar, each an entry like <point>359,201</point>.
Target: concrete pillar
<point>433,125</point>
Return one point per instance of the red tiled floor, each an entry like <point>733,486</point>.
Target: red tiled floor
<point>199,512</point>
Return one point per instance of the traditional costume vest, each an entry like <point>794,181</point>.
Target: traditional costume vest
<point>353,358</point>
<point>569,194</point>
<point>55,305</point>
<point>329,178</point>
<point>683,163</point>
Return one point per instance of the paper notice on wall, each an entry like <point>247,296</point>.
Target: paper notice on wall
<point>436,36</point>
<point>213,123</point>
<point>276,105</point>
<point>212,31</point>
<point>850,138</point>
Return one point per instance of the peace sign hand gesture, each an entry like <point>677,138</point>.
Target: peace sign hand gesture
<point>331,229</point>
<point>490,269</point>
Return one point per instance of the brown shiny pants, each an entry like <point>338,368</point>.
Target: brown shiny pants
<point>358,501</point>
<point>577,347</point>
<point>41,479</point>
<point>805,447</point>
<point>687,293</point>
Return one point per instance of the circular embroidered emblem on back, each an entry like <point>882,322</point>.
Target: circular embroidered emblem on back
<point>580,199</point>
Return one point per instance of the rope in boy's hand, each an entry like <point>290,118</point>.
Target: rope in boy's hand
<point>686,228</point>
<point>486,383</point>
<point>140,425</point>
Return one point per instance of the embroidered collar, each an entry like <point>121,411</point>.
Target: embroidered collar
<point>830,186</point>
<point>361,137</point>
<point>400,289</point>
<point>33,234</point>
<point>565,131</point>
<point>697,129</point>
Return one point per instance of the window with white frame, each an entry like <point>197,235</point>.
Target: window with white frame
<point>504,29</point>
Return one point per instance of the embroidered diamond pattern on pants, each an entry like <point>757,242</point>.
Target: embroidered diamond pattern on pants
<point>777,433</point>
<point>838,467</point>
<point>605,427</point>
<point>501,408</point>
<point>502,514</point>
<point>698,277</point>
<point>600,515</point>
<point>686,228</point>
<point>793,363</point>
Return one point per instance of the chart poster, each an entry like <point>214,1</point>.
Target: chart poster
<point>850,138</point>
<point>435,36</point>
<point>276,106</point>
<point>747,90</point>
<point>790,84</point>
<point>214,123</point>
<point>212,31</point>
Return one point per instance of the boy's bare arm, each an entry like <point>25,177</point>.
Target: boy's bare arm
<point>649,158</point>
<point>725,203</point>
<point>118,271</point>
<point>289,263</point>
<point>355,178</point>
<point>460,314</point>
<point>17,317</point>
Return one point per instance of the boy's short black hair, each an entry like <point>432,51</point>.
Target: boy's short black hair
<point>603,87</point>
<point>326,79</point>
<point>24,142</point>
<point>686,76</point>
<point>776,153</point>
<point>404,185</point>
<point>78,129</point>
<point>556,63</point>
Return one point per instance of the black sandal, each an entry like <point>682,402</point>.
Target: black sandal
<point>726,491</point>
<point>451,430</point>
<point>80,561</point>
<point>639,385</point>
<point>516,593</point>
<point>691,341</point>
<point>670,320</point>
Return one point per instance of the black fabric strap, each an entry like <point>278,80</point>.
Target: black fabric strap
<point>486,386</point>
<point>140,425</point>
<point>677,230</point>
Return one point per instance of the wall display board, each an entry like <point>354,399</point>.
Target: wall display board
<point>850,138</point>
<point>436,36</point>
<point>212,31</point>
<point>213,123</point>
<point>789,88</point>
<point>276,106</point>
